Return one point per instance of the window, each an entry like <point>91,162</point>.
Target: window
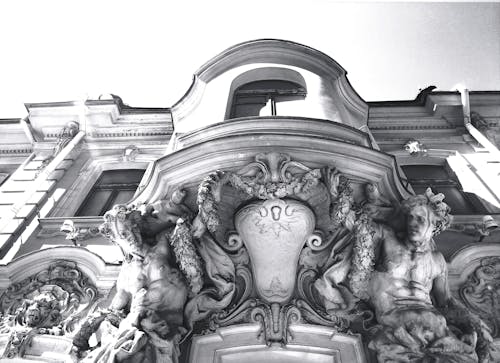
<point>112,187</point>
<point>443,180</point>
<point>260,98</point>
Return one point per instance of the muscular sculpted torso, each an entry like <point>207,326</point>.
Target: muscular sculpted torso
<point>166,287</point>
<point>405,275</point>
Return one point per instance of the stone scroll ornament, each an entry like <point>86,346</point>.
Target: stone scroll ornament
<point>358,273</point>
<point>53,301</point>
<point>481,293</point>
<point>169,259</point>
<point>276,224</point>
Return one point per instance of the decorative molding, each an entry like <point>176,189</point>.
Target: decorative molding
<point>481,292</point>
<point>23,151</point>
<point>361,164</point>
<point>312,128</point>
<point>118,132</point>
<point>244,343</point>
<point>466,260</point>
<point>412,127</point>
<point>103,275</point>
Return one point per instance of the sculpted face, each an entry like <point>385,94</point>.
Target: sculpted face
<point>178,196</point>
<point>419,225</point>
<point>33,315</point>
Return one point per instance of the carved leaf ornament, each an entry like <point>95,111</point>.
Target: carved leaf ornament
<point>278,227</point>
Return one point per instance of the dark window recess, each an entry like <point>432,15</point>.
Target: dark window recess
<point>113,187</point>
<point>251,98</point>
<point>441,179</point>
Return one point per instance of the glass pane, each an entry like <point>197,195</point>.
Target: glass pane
<point>121,176</point>
<point>94,203</point>
<point>419,172</point>
<point>123,196</point>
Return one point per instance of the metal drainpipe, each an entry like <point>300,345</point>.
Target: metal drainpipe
<point>28,193</point>
<point>475,133</point>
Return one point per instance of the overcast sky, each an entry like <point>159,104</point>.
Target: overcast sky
<point>147,51</point>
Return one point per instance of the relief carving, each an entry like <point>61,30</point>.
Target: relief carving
<point>481,293</point>
<point>302,246</point>
<point>159,291</point>
<point>54,301</point>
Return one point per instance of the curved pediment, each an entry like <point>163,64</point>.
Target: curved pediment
<point>322,81</point>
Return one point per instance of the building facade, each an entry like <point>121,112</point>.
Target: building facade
<point>263,217</point>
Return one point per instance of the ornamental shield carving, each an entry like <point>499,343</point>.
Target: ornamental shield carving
<point>274,232</point>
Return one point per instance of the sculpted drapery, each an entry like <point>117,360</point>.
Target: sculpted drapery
<point>303,250</point>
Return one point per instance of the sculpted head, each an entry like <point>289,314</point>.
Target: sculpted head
<point>121,226</point>
<point>178,196</point>
<point>42,308</point>
<point>426,216</point>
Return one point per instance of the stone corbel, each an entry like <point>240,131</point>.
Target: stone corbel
<point>75,229</point>
<point>130,153</point>
<point>78,233</point>
<point>479,228</point>
<point>415,148</point>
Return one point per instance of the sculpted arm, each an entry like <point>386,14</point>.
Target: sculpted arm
<point>440,288</point>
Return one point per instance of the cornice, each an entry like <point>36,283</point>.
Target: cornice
<point>122,107</point>
<point>26,150</point>
<point>139,132</point>
<point>412,127</point>
<point>190,165</point>
<point>308,127</point>
<point>269,51</point>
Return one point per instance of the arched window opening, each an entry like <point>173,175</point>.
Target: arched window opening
<point>113,187</point>
<point>260,98</point>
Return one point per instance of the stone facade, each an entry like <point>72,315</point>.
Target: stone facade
<point>289,233</point>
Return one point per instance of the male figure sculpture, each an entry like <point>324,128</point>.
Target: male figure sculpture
<point>411,297</point>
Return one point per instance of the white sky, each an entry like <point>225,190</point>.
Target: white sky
<point>147,51</point>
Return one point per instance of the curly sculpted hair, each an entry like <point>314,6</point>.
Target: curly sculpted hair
<point>440,210</point>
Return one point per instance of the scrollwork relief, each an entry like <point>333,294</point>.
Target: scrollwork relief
<point>54,301</point>
<point>303,245</point>
<point>481,293</point>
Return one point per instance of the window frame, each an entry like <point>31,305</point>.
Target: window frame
<point>262,74</point>
<point>115,189</point>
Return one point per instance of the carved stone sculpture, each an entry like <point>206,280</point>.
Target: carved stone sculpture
<point>410,293</point>
<point>159,289</point>
<point>297,246</point>
<point>481,293</point>
<point>54,301</point>
<point>399,273</point>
